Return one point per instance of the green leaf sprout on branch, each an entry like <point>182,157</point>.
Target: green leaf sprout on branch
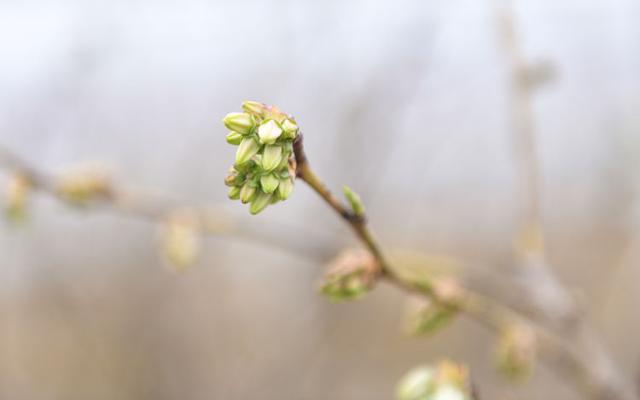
<point>265,167</point>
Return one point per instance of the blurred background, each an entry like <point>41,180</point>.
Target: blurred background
<point>409,102</point>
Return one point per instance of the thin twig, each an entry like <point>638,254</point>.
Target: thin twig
<point>480,308</point>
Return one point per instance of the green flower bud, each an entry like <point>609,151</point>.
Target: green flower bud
<point>234,138</point>
<point>284,163</point>
<point>239,122</point>
<point>354,200</point>
<point>260,202</point>
<point>234,193</point>
<point>269,183</point>
<point>254,107</point>
<point>271,157</point>
<point>269,132</point>
<point>285,188</point>
<point>290,129</point>
<point>247,193</point>
<point>247,149</point>
<point>230,180</point>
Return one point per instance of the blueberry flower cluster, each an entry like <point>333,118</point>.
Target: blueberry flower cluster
<point>264,169</point>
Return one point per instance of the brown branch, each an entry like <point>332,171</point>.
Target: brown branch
<point>493,315</point>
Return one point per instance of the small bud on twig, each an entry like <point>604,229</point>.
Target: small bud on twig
<point>180,239</point>
<point>352,274</point>
<point>354,201</point>
<point>425,316</point>
<point>516,351</point>
<point>84,186</point>
<point>17,193</point>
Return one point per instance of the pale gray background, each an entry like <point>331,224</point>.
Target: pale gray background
<point>404,100</point>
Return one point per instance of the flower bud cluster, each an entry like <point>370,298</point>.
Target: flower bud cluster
<point>264,168</point>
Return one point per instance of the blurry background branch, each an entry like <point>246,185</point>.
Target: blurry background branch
<point>547,298</point>
<point>91,189</point>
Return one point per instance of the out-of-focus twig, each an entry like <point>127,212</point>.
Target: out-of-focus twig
<point>546,297</point>
<point>209,221</point>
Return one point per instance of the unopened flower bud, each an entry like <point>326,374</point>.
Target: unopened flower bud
<point>417,384</point>
<point>260,202</point>
<point>284,162</point>
<point>290,129</point>
<point>516,351</point>
<point>350,276</point>
<point>83,187</point>
<point>254,107</point>
<point>271,157</point>
<point>242,123</point>
<point>447,381</point>
<point>180,240</point>
<point>247,193</point>
<point>247,149</point>
<point>269,132</point>
<point>354,200</point>
<point>234,138</point>
<point>17,194</point>
<point>230,180</point>
<point>448,392</point>
<point>234,193</point>
<point>285,188</point>
<point>269,183</point>
<point>426,317</point>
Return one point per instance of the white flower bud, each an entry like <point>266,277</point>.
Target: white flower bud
<point>417,384</point>
<point>269,132</point>
<point>239,122</point>
<point>269,183</point>
<point>247,193</point>
<point>254,107</point>
<point>448,392</point>
<point>290,129</point>
<point>247,149</point>
<point>271,157</point>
